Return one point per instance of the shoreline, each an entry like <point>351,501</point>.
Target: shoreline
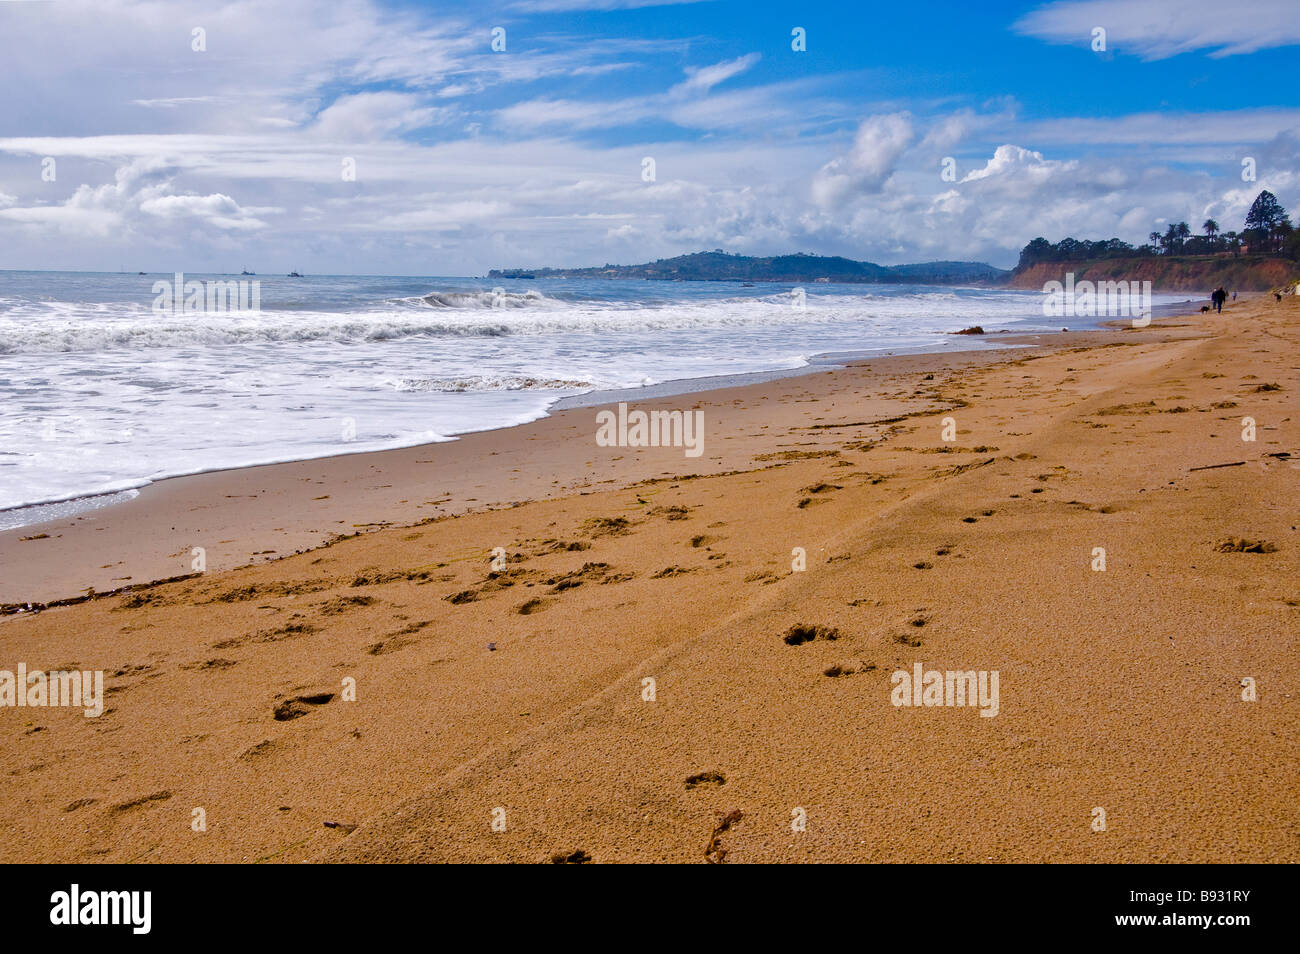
<point>75,561</point>
<point>66,505</point>
<point>762,595</point>
<point>675,387</point>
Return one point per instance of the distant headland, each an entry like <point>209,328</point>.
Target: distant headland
<point>719,266</point>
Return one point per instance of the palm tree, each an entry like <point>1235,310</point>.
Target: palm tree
<point>1155,239</point>
<point>1211,229</point>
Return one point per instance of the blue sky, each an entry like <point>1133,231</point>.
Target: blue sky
<point>128,147</point>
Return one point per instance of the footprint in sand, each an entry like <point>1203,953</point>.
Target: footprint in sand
<point>577,857</point>
<point>395,641</point>
<point>140,802</point>
<point>341,604</point>
<point>254,752</point>
<point>1242,545</point>
<point>798,635</point>
<point>671,571</point>
<point>701,779</point>
<point>607,526</point>
<point>840,669</point>
<point>210,664</point>
<point>815,489</point>
<point>298,706</point>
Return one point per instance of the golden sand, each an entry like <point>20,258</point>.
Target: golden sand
<point>623,688</point>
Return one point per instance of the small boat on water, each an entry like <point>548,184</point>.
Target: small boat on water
<point>294,275</point>
<point>247,272</point>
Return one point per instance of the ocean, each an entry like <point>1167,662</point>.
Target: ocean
<point>106,386</point>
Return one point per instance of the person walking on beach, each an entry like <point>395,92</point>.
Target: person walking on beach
<point>1219,297</point>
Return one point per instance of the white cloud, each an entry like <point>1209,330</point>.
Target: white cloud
<point>243,152</point>
<point>574,114</point>
<point>704,78</point>
<point>1240,126</point>
<point>139,196</point>
<point>371,116</point>
<point>880,141</point>
<point>441,213</point>
<point>559,6</point>
<point>217,210</point>
<point>688,104</point>
<point>173,101</point>
<point>1158,29</point>
<point>1007,160</point>
<point>952,129</point>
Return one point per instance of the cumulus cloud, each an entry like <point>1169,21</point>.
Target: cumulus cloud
<point>466,161</point>
<point>140,194</point>
<point>954,128</point>
<point>1008,159</point>
<point>880,141</point>
<point>217,210</point>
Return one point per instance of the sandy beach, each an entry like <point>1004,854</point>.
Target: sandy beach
<point>692,659</point>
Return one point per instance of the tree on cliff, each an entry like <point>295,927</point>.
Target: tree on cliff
<point>1265,223</point>
<point>1039,250</point>
<point>1175,235</point>
<point>1291,246</point>
<point>1285,236</point>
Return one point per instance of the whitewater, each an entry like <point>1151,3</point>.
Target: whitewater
<point>100,394</point>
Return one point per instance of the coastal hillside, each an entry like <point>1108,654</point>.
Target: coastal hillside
<point>1263,255</point>
<point>1170,273</point>
<point>719,266</point>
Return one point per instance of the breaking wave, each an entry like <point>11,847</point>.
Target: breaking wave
<point>488,299</point>
<point>488,382</point>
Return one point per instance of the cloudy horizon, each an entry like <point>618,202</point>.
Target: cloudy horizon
<point>214,137</point>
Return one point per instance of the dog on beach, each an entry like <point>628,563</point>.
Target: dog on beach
<point>1204,309</point>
